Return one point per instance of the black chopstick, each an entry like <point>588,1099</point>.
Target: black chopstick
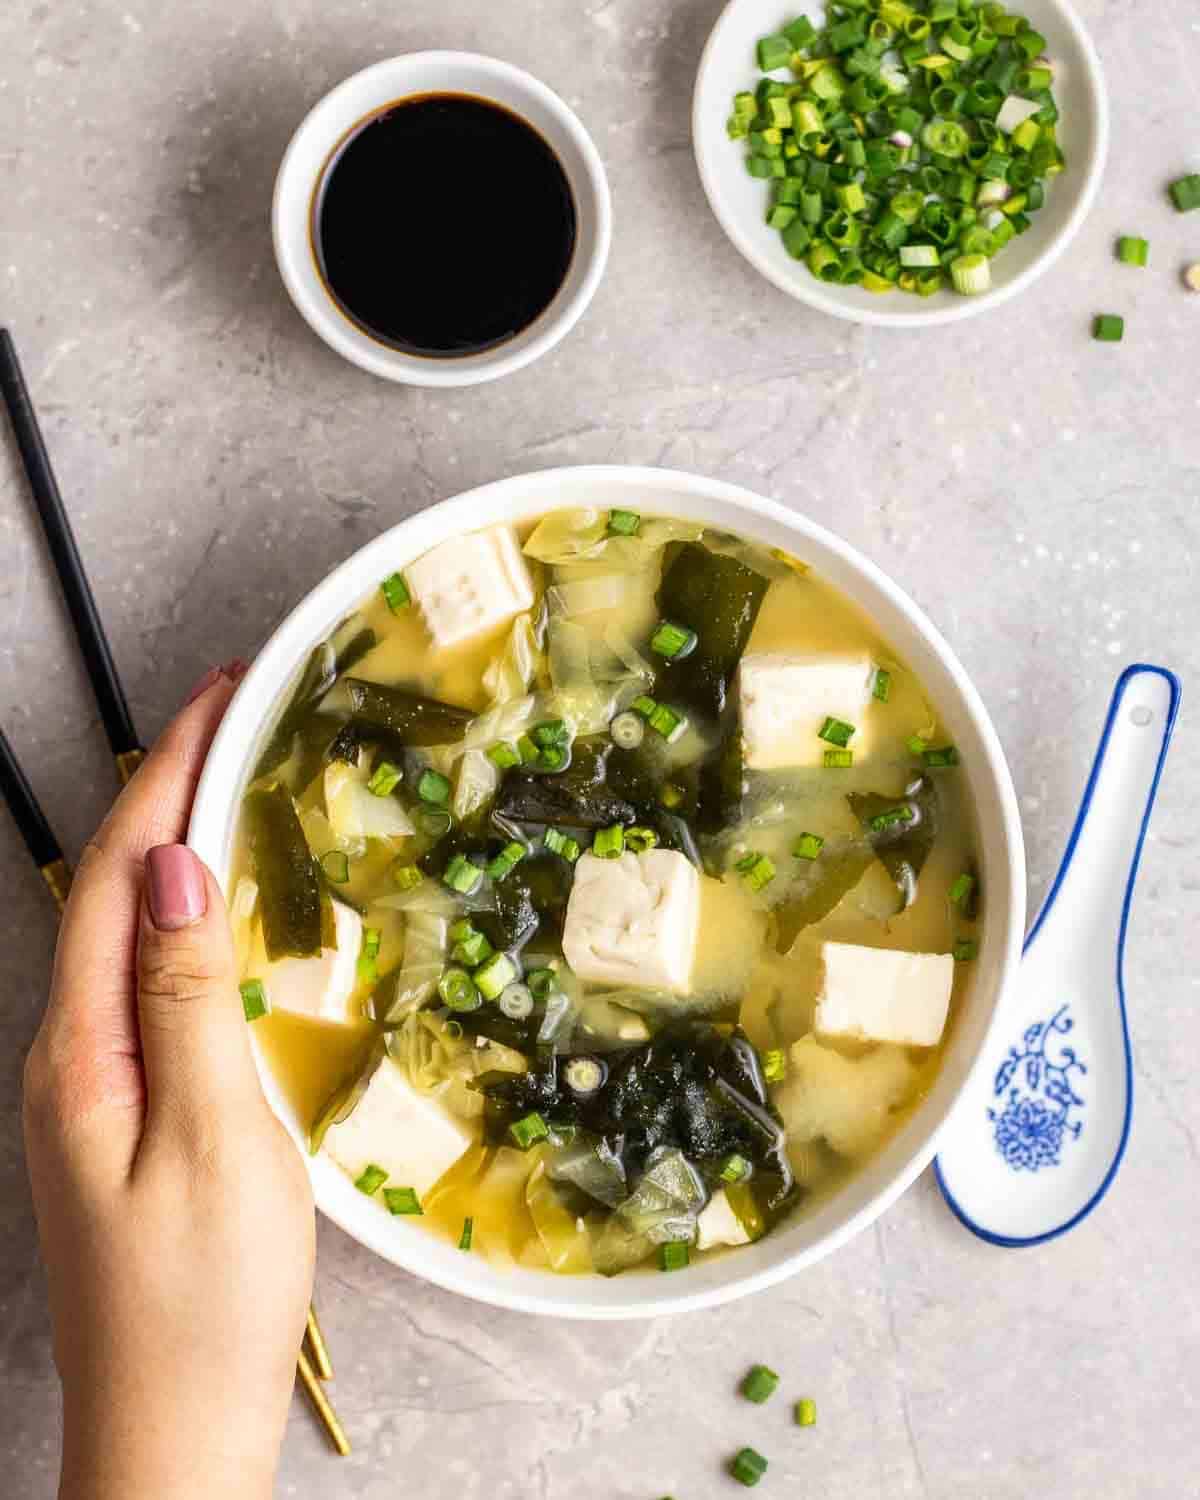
<point>114,709</point>
<point>32,825</point>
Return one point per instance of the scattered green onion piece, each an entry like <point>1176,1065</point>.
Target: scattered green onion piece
<point>371,1179</point>
<point>583,1075</point>
<point>553,757</point>
<point>673,641</point>
<point>971,274</point>
<point>395,591</point>
<point>541,982</point>
<point>760,1384</point>
<point>774,52</point>
<point>757,870</point>
<point>838,760</point>
<point>965,949</point>
<point>529,1130</point>
<point>516,1001</point>
<point>504,756</point>
<point>624,522</point>
<point>668,722</point>
<point>495,974</point>
<point>402,1200</point>
<point>405,877</point>
<point>748,1467</point>
<point>917,745</point>
<point>644,706</point>
<point>552,732</point>
<point>1108,328</point>
<point>433,787</point>
<point>385,778</point>
<point>460,931</point>
<point>1185,193</point>
<point>806,1413</point>
<point>254,999</point>
<point>890,817</point>
<point>674,1255</point>
<point>836,732</point>
<point>336,865</point>
<point>735,1169</point>
<point>462,875</point>
<point>881,687</point>
<point>434,821</point>
<point>962,889</point>
<point>808,846</point>
<point>472,950</point>
<point>628,730</point>
<point>457,989</point>
<point>371,939</point>
<point>506,861</point>
<point>529,751</point>
<point>561,843</point>
<point>945,755</point>
<point>609,843</point>
<point>468,1230</point>
<point>640,839</point>
<point>774,1065</point>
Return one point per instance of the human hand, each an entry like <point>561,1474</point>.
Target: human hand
<point>175,1214</point>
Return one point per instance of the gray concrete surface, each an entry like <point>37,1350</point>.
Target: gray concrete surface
<point>1036,492</point>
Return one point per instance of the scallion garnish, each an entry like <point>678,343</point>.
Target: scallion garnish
<point>837,760</point>
<point>668,722</point>
<point>468,1230</point>
<point>371,1179</point>
<point>561,843</point>
<point>757,870</point>
<point>516,1001</point>
<point>917,745</point>
<point>945,755</point>
<point>774,1065</point>
<point>336,865</point>
<point>504,756</point>
<point>643,705</point>
<point>623,522</point>
<point>609,843</point>
<point>674,1255</point>
<point>541,982</point>
<point>962,890</point>
<point>735,1169</point>
<point>402,1200</point>
<point>433,787</point>
<point>529,751</point>
<point>462,875</point>
<point>471,949</point>
<point>808,846</point>
<point>583,1075</point>
<point>457,989</point>
<point>385,778</point>
<point>1185,192</point>
<point>748,1467</point>
<point>395,591</point>
<point>673,641</point>
<point>760,1384</point>
<point>506,861</point>
<point>640,839</point>
<point>371,939</point>
<point>254,999</point>
<point>1108,328</point>
<point>628,730</point>
<point>495,974</point>
<point>890,817</point>
<point>552,732</point>
<point>836,732</point>
<point>1132,251</point>
<point>881,686</point>
<point>806,1413</point>
<point>965,949</point>
<point>434,821</point>
<point>529,1130</point>
<point>405,877</point>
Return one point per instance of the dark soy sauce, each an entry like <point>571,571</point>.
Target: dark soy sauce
<point>443,225</point>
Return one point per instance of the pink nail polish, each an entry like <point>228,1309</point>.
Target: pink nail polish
<point>210,677</point>
<point>175,889</point>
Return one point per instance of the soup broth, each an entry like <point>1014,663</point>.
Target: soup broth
<point>606,893</point>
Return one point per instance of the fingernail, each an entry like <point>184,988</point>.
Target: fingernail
<point>175,890</point>
<point>208,680</point>
<point>235,670</point>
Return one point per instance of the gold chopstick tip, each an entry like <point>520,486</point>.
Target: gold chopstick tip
<point>57,875</point>
<point>321,1404</point>
<point>320,1349</point>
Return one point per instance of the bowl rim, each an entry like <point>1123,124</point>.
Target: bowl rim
<point>326,122</point>
<point>237,739</point>
<point>874,315</point>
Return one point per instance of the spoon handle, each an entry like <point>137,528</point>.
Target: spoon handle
<point>1089,901</point>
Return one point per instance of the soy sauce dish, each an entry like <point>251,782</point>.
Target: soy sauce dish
<point>625,875</point>
<point>372,242</point>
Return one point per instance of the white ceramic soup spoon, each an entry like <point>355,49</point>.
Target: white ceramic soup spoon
<point>1039,1132</point>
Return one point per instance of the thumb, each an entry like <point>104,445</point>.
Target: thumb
<point>195,1049</point>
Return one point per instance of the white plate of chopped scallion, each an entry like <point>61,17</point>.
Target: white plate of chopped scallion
<point>900,161</point>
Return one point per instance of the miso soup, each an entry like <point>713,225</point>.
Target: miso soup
<point>607,892</point>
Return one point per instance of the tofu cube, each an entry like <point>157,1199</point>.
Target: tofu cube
<point>394,1126</point>
<point>719,1225</point>
<point>320,987</point>
<point>633,920</point>
<point>470,585</point>
<point>882,995</point>
<point>786,698</point>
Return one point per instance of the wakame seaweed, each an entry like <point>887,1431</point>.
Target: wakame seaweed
<point>323,668</point>
<point>297,915</point>
<point>719,598</point>
<point>407,718</point>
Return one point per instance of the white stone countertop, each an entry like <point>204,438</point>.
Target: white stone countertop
<point>1038,493</point>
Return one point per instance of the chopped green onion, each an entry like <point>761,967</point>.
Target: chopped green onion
<point>528,750</point>
<point>962,889</point>
<point>254,999</point>
<point>552,732</point>
<point>757,870</point>
<point>837,760</point>
<point>402,1200</point>
<point>760,1384</point>
<point>516,1001</point>
<point>624,522</point>
<point>529,1130</point>
<point>405,877</point>
<point>336,865</point>
<point>553,757</point>
<point>917,745</point>
<point>946,755</point>
<point>1108,328</point>
<point>457,989</point>
<point>774,1065</point>
<point>669,723</point>
<point>806,1413</point>
<point>674,1255</point>
<point>371,939</point>
<point>433,787</point>
<point>748,1467</point>
<point>583,1075</point>
<point>890,817</point>
<point>434,821</point>
<point>541,982</point>
<point>735,1169</point>
<point>640,839</point>
<point>627,730</point>
<point>472,949</point>
<point>468,1230</point>
<point>971,274</point>
<point>371,1179</point>
<point>1185,193</point>
<point>506,861</point>
<point>384,779</point>
<point>462,875</point>
<point>1132,251</point>
<point>965,949</point>
<point>609,843</point>
<point>504,756</point>
<point>808,846</point>
<point>460,931</point>
<point>774,52</point>
<point>836,732</point>
<point>495,974</point>
<point>561,843</point>
<point>673,641</point>
<point>644,706</point>
<point>881,687</point>
<point>395,591</point>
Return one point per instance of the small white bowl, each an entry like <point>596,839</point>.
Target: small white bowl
<point>387,82</point>
<point>807,1237</point>
<point>740,201</point>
